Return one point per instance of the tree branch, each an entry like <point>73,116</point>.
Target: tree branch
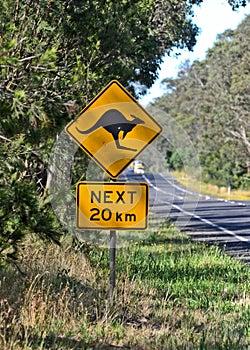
<point>4,138</point>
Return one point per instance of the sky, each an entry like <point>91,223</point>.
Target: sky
<point>213,17</point>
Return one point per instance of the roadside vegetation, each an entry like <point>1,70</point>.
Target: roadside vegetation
<point>170,294</point>
<point>213,190</point>
<point>209,100</point>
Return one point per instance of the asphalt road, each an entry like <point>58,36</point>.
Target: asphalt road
<point>204,218</point>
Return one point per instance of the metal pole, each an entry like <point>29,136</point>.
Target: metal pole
<point>112,255</point>
<point>112,264</point>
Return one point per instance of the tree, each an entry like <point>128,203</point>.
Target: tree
<point>210,99</point>
<point>229,85</point>
<point>55,56</point>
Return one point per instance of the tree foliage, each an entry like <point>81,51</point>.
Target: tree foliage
<point>211,101</point>
<point>56,56</point>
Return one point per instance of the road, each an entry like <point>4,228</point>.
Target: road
<point>204,218</point>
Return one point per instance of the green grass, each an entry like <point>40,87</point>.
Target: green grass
<point>170,294</point>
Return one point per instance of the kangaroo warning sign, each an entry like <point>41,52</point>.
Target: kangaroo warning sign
<point>113,129</point>
<point>108,205</point>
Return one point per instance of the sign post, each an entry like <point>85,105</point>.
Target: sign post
<point>112,264</point>
<point>112,205</point>
<point>113,130</point>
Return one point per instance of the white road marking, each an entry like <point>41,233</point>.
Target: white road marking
<point>203,195</point>
<point>208,222</point>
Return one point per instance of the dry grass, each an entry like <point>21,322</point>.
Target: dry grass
<point>209,189</point>
<point>61,302</point>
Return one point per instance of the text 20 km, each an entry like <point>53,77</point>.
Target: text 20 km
<point>107,215</point>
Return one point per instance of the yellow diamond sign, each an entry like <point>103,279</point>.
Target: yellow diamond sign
<point>113,129</point>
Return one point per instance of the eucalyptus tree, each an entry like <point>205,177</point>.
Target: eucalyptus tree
<point>228,96</point>
<point>55,56</point>
<point>210,99</point>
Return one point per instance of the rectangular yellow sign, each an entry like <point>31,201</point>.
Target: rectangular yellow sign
<point>107,205</point>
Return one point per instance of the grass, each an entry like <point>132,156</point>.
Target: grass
<point>209,189</point>
<point>170,294</point>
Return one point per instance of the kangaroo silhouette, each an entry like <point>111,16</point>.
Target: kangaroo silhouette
<point>114,122</point>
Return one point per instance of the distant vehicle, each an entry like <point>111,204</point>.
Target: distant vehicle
<point>138,167</point>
